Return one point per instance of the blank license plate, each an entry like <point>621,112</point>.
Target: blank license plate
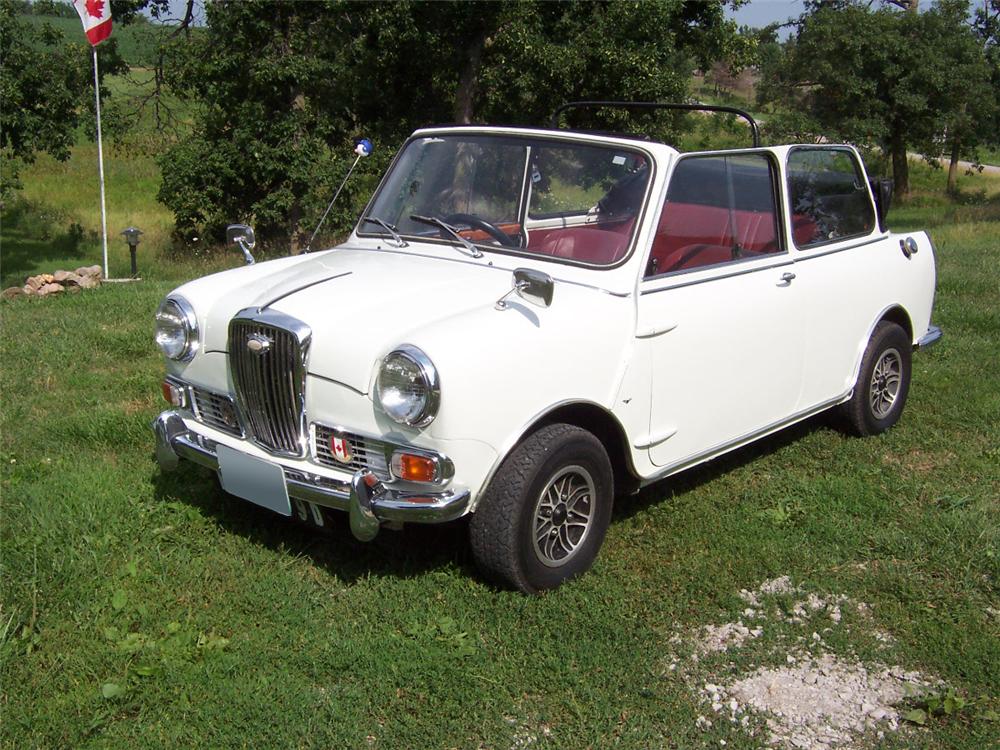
<point>253,479</point>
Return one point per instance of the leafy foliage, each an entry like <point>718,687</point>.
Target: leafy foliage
<point>887,78</point>
<point>284,88</point>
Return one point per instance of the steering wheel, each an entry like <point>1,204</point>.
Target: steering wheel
<point>475,222</point>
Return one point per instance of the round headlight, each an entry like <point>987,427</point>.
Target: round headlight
<point>177,328</point>
<point>408,387</point>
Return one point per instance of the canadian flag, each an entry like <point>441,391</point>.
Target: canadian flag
<point>96,17</point>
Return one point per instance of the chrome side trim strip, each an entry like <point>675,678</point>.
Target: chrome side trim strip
<point>756,269</point>
<point>743,440</point>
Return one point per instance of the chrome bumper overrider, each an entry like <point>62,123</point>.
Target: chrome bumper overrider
<point>929,338</point>
<point>368,502</point>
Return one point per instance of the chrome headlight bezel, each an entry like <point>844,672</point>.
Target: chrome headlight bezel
<point>181,313</point>
<point>423,413</point>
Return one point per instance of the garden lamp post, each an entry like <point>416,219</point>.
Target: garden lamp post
<point>131,236</point>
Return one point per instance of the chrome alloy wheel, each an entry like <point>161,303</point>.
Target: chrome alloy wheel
<point>563,515</point>
<point>886,378</point>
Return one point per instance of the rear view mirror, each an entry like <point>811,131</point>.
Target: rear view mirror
<point>882,190</point>
<point>533,286</point>
<point>242,236</point>
<point>530,285</point>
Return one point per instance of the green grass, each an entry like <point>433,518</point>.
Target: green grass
<point>153,610</point>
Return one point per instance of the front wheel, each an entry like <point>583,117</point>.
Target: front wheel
<point>544,516</point>
<point>883,382</point>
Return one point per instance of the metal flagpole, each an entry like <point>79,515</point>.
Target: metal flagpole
<point>100,164</point>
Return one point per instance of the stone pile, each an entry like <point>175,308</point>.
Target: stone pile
<point>85,277</point>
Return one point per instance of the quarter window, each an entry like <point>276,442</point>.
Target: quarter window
<point>828,197</point>
<point>719,209</point>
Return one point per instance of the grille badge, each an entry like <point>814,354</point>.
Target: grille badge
<point>258,344</point>
<point>340,448</point>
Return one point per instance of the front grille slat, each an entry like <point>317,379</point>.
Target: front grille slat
<point>216,410</point>
<point>366,453</point>
<point>270,384</point>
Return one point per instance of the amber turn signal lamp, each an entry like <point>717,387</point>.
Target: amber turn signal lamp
<point>172,394</point>
<point>413,468</point>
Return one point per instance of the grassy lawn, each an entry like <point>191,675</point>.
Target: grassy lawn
<point>153,610</point>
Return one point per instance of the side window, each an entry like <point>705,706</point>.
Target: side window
<point>718,209</point>
<point>828,197</point>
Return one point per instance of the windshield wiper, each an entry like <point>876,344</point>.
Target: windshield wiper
<point>400,242</point>
<point>434,221</point>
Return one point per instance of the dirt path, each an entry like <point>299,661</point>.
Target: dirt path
<point>965,165</point>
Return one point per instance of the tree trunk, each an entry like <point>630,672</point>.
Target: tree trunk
<point>953,166</point>
<point>469,80</point>
<point>900,166</point>
<point>956,150</point>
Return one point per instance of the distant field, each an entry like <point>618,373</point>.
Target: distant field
<point>136,42</point>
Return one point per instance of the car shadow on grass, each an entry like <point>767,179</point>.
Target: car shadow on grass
<point>416,550</point>
<point>680,484</point>
<point>419,548</point>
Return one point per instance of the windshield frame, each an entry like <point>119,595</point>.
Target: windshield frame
<point>541,135</point>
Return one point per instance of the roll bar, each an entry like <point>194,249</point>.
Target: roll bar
<point>554,121</point>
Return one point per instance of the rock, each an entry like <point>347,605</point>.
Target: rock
<point>70,279</point>
<point>12,292</point>
<point>89,282</point>
<point>48,278</point>
<point>34,283</point>
<point>49,289</point>
<point>73,288</point>
<point>93,271</point>
<point>60,276</point>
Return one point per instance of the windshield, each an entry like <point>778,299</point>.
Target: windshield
<point>569,201</point>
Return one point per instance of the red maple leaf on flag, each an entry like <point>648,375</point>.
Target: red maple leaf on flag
<point>95,8</point>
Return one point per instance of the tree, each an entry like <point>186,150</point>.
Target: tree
<point>46,90</point>
<point>41,85</point>
<point>885,77</point>
<point>283,88</point>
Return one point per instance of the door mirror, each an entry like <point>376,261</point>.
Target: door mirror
<point>534,286</point>
<point>242,236</point>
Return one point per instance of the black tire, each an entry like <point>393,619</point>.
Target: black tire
<point>508,534</point>
<point>883,382</point>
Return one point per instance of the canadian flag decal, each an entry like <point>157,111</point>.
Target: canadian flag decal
<point>340,448</point>
<point>96,18</point>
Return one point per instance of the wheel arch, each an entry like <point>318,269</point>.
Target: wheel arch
<point>895,313</point>
<point>588,416</point>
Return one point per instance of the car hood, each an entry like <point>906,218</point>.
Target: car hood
<point>359,303</point>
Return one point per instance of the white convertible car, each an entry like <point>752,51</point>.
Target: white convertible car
<point>527,323</point>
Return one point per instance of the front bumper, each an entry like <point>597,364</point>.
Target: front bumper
<point>368,502</point>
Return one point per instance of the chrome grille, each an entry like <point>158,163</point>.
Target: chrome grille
<point>366,453</point>
<point>270,382</point>
<point>216,410</point>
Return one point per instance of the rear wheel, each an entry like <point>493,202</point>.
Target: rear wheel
<point>544,516</point>
<point>883,382</point>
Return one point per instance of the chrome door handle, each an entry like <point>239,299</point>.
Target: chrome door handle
<point>786,278</point>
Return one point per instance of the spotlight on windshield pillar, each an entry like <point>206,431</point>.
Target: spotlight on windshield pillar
<point>131,236</point>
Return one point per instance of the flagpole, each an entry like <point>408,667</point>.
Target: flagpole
<point>100,164</point>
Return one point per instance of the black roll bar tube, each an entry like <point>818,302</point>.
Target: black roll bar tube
<point>554,121</point>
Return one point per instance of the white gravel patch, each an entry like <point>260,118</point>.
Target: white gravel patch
<point>822,702</point>
<point>815,699</point>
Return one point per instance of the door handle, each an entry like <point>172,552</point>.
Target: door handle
<point>786,278</point>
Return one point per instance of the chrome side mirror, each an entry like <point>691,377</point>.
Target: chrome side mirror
<point>532,286</point>
<point>242,236</point>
